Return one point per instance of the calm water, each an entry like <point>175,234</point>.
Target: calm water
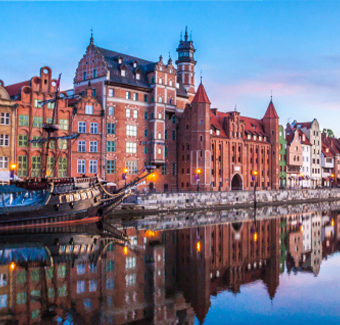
<point>205,268</point>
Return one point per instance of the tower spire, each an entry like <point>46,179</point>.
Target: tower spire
<point>271,96</point>
<point>186,33</point>
<point>91,39</point>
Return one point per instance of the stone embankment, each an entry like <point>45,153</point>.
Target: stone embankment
<point>233,199</point>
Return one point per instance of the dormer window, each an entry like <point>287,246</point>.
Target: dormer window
<point>249,137</point>
<point>303,138</point>
<point>265,138</point>
<point>135,64</point>
<point>138,76</point>
<point>123,73</point>
<point>211,131</point>
<point>120,60</point>
<point>260,138</point>
<point>218,132</point>
<point>327,150</point>
<point>254,137</point>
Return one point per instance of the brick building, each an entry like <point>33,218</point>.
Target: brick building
<point>87,157</point>
<point>29,119</point>
<point>282,157</point>
<point>221,150</point>
<point>141,101</point>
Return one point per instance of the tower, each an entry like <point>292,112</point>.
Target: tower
<point>271,128</point>
<point>186,63</point>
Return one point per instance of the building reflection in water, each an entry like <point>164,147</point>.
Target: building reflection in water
<point>77,276</point>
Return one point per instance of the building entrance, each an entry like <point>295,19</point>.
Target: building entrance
<point>236,183</point>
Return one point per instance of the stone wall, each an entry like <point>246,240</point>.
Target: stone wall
<point>185,200</point>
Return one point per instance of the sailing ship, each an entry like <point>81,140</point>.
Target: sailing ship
<point>47,199</point>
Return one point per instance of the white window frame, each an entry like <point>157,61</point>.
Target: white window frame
<point>111,110</point>
<point>81,127</point>
<point>4,162</point>
<point>94,128</point>
<point>81,146</point>
<point>131,147</point>
<point>93,166</point>
<point>81,167</point>
<point>135,114</point>
<point>93,146</point>
<point>127,112</point>
<point>4,140</point>
<point>131,130</point>
<point>111,92</point>
<point>5,119</point>
<point>89,109</point>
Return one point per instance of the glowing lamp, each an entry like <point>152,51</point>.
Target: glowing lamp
<point>125,170</point>
<point>302,175</point>
<point>198,246</point>
<point>332,222</point>
<point>255,236</point>
<point>125,250</point>
<point>332,175</point>
<point>12,266</point>
<point>302,228</point>
<point>13,166</point>
<point>255,172</point>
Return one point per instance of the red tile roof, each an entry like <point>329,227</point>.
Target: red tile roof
<point>16,88</point>
<point>306,125</point>
<point>253,126</point>
<point>271,111</point>
<point>201,96</point>
<point>214,121</point>
<point>326,154</point>
<point>306,141</point>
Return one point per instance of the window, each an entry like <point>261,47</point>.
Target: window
<point>173,134</point>
<point>4,140</point>
<point>22,166</point>
<point>36,166</point>
<point>111,128</point>
<point>173,119</point>
<point>89,109</point>
<point>130,262</point>
<point>62,167</point>
<point>131,130</point>
<point>135,114</point>
<point>145,133</point>
<point>145,98</point>
<point>93,93</point>
<point>21,298</point>
<point>81,127</point>
<point>166,152</point>
<point>92,285</point>
<point>62,291</point>
<point>111,167</point>
<point>84,75</point>
<point>152,80</point>
<point>93,166</point>
<point>132,166</point>
<point>81,268</point>
<point>166,134</point>
<point>130,279</point>
<point>111,146</point>
<point>81,166</point>
<point>127,112</point>
<point>110,265</point>
<point>160,80</point>
<point>81,146</point>
<point>111,110</point>
<point>93,146</point>
<point>63,124</point>
<point>111,92</point>
<point>218,132</point>
<point>80,286</point>
<point>36,103</point>
<point>138,76</point>
<point>50,105</point>
<point>3,162</point>
<point>164,169</point>
<point>160,99</point>
<point>131,147</point>
<point>63,144</point>
<point>3,301</point>
<point>23,120</point>
<point>128,95</point>
<point>5,119</point>
<point>145,149</point>
<point>123,73</point>
<point>94,128</point>
<point>145,115</point>
<point>36,144</point>
<point>135,96</point>
<point>159,136</point>
<point>109,284</point>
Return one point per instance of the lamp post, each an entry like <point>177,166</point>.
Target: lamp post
<point>332,179</point>
<point>254,174</point>
<point>302,175</point>
<point>125,171</point>
<point>198,172</point>
<point>13,167</point>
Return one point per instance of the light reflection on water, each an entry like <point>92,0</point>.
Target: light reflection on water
<point>196,271</point>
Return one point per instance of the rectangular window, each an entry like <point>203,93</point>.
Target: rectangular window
<point>111,128</point>
<point>62,291</point>
<point>63,144</point>
<point>3,162</point>
<point>81,166</point>
<point>50,166</point>
<point>131,130</point>
<point>111,110</point>
<point>145,115</point>
<point>145,133</point>
<point>93,93</point>
<point>94,128</point>
<point>111,146</point>
<point>109,284</point>
<point>81,127</point>
<point>130,279</point>
<point>135,114</point>
<point>164,169</point>
<point>173,119</point>
<point>21,298</point>
<point>166,152</point>
<point>50,105</point>
<point>82,146</point>
<point>95,73</point>
<point>80,286</point>
<point>63,124</point>
<point>89,109</point>
<point>22,166</point>
<point>36,166</point>
<point>173,134</point>
<point>36,144</point>
<point>111,167</point>
<point>5,118</point>
<point>93,166</point>
<point>61,272</point>
<point>145,149</point>
<point>135,96</point>
<point>36,103</point>
<point>127,112</point>
<point>81,268</point>
<point>130,262</point>
<point>93,146</point>
<point>145,98</point>
<point>93,285</point>
<point>166,134</point>
<point>62,167</point>
<point>131,147</point>
<point>132,166</point>
<point>128,95</point>
<point>111,92</point>
<point>4,140</point>
<point>21,277</point>
<point>84,75</point>
<point>23,120</point>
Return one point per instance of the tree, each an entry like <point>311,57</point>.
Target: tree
<point>329,132</point>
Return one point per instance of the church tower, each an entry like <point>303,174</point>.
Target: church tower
<point>186,64</point>
<point>271,128</point>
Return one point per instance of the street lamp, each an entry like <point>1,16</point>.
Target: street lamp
<point>254,174</point>
<point>125,171</point>
<point>13,167</point>
<point>302,175</point>
<point>198,172</point>
<point>332,179</point>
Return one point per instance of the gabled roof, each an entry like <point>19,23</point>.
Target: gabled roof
<point>324,150</point>
<point>305,125</point>
<point>214,121</point>
<point>15,89</point>
<point>201,96</point>
<point>306,141</point>
<point>253,126</point>
<point>271,111</point>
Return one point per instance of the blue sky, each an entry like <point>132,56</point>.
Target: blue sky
<point>245,48</point>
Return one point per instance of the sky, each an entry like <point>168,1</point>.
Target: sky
<point>245,49</point>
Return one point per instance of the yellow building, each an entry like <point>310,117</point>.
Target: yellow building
<point>7,134</point>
